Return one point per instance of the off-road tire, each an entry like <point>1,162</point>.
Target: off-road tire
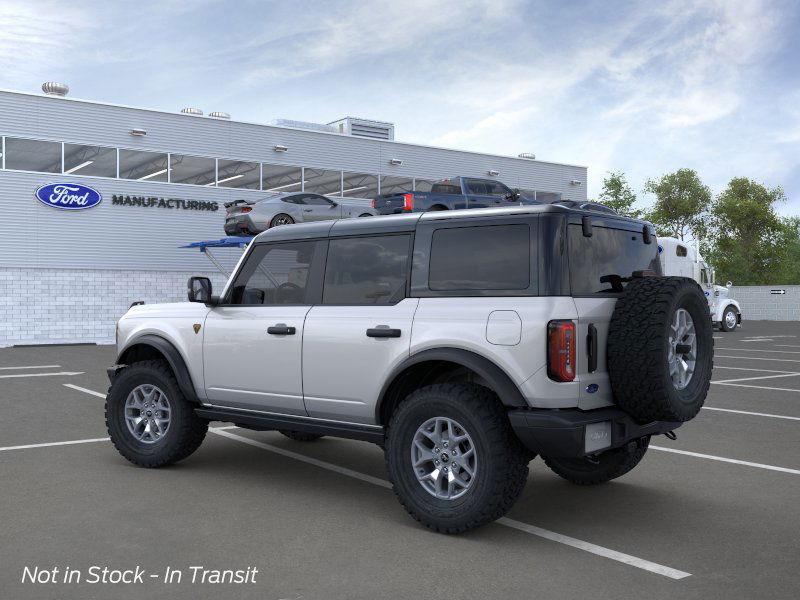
<point>186,430</point>
<point>300,436</point>
<point>723,325</point>
<point>602,468</point>
<point>638,338</point>
<point>502,468</point>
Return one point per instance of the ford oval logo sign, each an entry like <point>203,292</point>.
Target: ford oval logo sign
<point>68,196</point>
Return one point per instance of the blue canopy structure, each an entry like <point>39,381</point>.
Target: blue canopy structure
<point>238,241</point>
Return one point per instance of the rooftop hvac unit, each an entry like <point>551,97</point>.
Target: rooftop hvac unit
<point>219,115</point>
<point>192,111</point>
<point>377,130</point>
<point>303,125</point>
<point>51,88</point>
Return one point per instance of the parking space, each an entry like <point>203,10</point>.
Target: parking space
<point>716,519</point>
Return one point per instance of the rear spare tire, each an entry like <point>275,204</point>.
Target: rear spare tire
<point>661,349</point>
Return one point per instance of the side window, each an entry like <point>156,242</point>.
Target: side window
<point>681,250</point>
<point>366,270</point>
<point>478,187</point>
<point>441,187</point>
<point>493,257</point>
<point>298,199</point>
<point>274,274</point>
<point>497,189</point>
<point>315,200</point>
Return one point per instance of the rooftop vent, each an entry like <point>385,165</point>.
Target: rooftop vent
<point>51,88</point>
<point>219,115</point>
<point>527,155</point>
<point>192,111</point>
<point>377,130</point>
<point>303,125</point>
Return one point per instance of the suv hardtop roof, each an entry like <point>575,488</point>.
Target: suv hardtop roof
<point>407,223</point>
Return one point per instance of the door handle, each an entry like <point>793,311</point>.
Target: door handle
<point>308,209</point>
<point>281,329</point>
<point>383,332</point>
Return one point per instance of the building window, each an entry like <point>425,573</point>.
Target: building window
<point>237,174</point>
<point>321,181</point>
<point>280,178</point>
<point>396,185</point>
<point>194,170</point>
<point>33,155</point>
<point>423,185</point>
<point>96,161</point>
<point>144,166</point>
<point>367,270</point>
<point>360,185</point>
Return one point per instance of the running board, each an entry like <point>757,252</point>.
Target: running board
<point>268,421</point>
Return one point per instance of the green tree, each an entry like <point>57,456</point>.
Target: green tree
<point>617,194</point>
<point>681,204</point>
<point>750,243</point>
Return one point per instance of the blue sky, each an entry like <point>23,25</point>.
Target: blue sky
<point>641,87</point>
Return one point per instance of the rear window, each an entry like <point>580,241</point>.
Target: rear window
<point>496,257</point>
<point>599,263</point>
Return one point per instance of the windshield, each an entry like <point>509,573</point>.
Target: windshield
<point>605,262</point>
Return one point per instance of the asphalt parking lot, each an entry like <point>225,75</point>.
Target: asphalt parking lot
<point>714,514</point>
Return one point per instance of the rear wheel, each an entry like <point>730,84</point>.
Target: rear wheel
<point>729,319</point>
<point>149,420</point>
<point>281,219</point>
<point>601,468</point>
<point>453,460</point>
<point>300,436</point>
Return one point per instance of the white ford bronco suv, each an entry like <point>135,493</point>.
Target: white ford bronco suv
<point>464,343</point>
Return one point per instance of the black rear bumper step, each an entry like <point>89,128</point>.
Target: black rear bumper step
<point>561,432</point>
<point>269,421</point>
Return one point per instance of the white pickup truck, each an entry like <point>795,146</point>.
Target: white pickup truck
<point>679,259</point>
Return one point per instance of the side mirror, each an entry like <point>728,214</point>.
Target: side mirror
<point>199,289</point>
<point>729,285</point>
<point>334,204</point>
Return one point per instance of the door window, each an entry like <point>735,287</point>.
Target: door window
<point>274,274</point>
<point>477,187</point>
<point>366,270</point>
<point>495,188</point>
<point>315,200</point>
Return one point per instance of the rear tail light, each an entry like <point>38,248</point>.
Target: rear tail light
<point>373,202</point>
<point>246,209</point>
<point>408,202</point>
<point>561,350</point>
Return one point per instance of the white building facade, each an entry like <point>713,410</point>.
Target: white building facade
<point>162,178</point>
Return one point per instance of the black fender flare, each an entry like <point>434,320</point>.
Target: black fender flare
<point>500,382</point>
<point>168,350</point>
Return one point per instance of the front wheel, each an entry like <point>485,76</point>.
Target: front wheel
<point>453,459</point>
<point>601,468</point>
<point>149,420</point>
<point>281,219</point>
<point>729,319</point>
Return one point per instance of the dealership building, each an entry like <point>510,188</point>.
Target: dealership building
<point>161,179</point>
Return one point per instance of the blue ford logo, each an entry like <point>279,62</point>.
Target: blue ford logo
<point>592,388</point>
<point>68,196</point>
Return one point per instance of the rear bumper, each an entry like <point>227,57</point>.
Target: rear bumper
<point>574,433</point>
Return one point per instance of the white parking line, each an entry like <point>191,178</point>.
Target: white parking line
<point>49,444</point>
<point>759,350</point>
<point>740,369</point>
<point>84,390</point>
<point>16,375</point>
<point>787,346</point>
<point>31,367</point>
<point>759,377</point>
<point>518,525</point>
<point>756,414</point>
<point>758,358</point>
<point>727,460</point>
<point>757,387</point>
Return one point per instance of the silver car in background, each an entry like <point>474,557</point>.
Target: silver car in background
<point>249,217</point>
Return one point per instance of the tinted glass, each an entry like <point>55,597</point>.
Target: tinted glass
<point>610,254</point>
<point>33,155</point>
<point>445,187</point>
<point>360,185</point>
<point>196,170</point>
<point>369,270</point>
<point>496,257</point>
<point>476,186</point>
<point>495,188</point>
<point>280,178</point>
<point>238,174</point>
<point>274,274</point>
<point>90,160</point>
<point>681,251</point>
<point>144,166</point>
